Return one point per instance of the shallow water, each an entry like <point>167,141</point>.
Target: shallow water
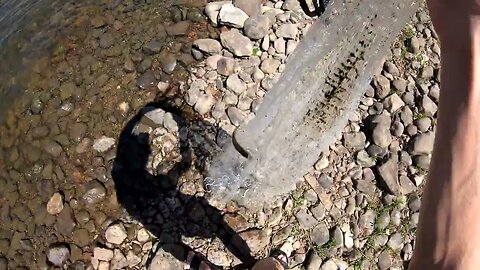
<point>72,72</point>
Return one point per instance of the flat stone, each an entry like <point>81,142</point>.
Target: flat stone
<point>95,192</point>
<point>237,43</point>
<point>381,132</point>
<point>236,116</point>
<point>256,27</point>
<point>389,173</point>
<point>287,31</point>
<point>155,115</point>
<point>355,141</point>
<point>395,241</point>
<point>381,84</point>
<point>53,148</point>
<point>55,204</point>
<point>314,261</point>
<point>366,222</point>
<point>152,47</point>
<point>65,221</point>
<point>270,65</point>
<point>208,45</point>
<point>232,16</point>
<point>168,61</point>
<point>225,66</point>
<point>58,254</point>
<point>103,144</point>
<point>384,260</point>
<point>212,10</point>
<point>393,103</point>
<point>305,220</point>
<point>428,106</point>
<point>178,29</point>
<point>116,234</point>
<point>422,144</point>
<point>204,103</point>
<point>119,261</point>
<point>81,237</point>
<point>146,81</point>
<point>235,84</point>
<point>250,7</point>
<point>320,234</point>
<point>256,240</point>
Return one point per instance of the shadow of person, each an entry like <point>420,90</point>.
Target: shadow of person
<point>319,7</point>
<point>157,197</point>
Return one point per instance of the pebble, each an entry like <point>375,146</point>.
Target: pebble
<point>395,242</point>
<point>53,148</point>
<point>381,132</point>
<point>422,144</point>
<point>118,261</point>
<point>225,66</point>
<point>256,240</point>
<point>382,86</point>
<point>288,31</point>
<point>55,204</point>
<point>204,103</point>
<point>389,173</point>
<point>306,220</point>
<point>428,106</point>
<point>236,43</point>
<point>329,265</point>
<point>250,7</point>
<point>209,46</point>
<point>354,141</point>
<point>103,144</point>
<point>95,192</point>
<point>314,261</point>
<point>102,254</point>
<point>116,234</point>
<point>232,16</point>
<point>236,116</point>
<point>384,260</point>
<point>58,254</point>
<point>270,65</point>
<point>256,27</point>
<point>152,47</point>
<point>178,29</point>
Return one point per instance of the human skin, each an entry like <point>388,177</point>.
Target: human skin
<point>448,235</point>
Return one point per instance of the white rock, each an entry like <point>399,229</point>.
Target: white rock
<point>394,103</point>
<point>208,45</point>
<point>235,84</point>
<point>279,45</point>
<point>103,266</point>
<point>288,31</point>
<point>213,9</point>
<point>163,86</point>
<point>102,254</point>
<point>55,204</point>
<point>156,116</point>
<point>118,261</point>
<point>232,16</point>
<point>103,144</point>
<point>237,43</point>
<point>133,259</point>
<point>116,234</point>
<point>143,235</point>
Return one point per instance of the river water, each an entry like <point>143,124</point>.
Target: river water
<point>72,72</point>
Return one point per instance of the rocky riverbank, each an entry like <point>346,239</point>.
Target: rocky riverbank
<point>103,158</point>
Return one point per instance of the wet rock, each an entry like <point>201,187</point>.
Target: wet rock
<point>320,234</point>
<point>152,47</point>
<point>77,131</point>
<point>37,106</point>
<point>250,7</point>
<point>103,144</point>
<point>3,263</point>
<point>106,40</point>
<point>58,254</point>
<point>208,45</point>
<point>67,89</point>
<point>145,65</point>
<point>55,204</point>
<point>146,80</point>
<point>256,240</point>
<point>422,144</point>
<point>236,43</point>
<point>232,16</point>
<point>270,65</point>
<point>95,192</point>
<point>168,61</point>
<point>287,31</point>
<point>116,234</point>
<point>102,254</point>
<point>256,27</point>
<point>65,221</point>
<point>225,66</point>
<point>389,173</point>
<point>53,148</point>
<point>178,29</point>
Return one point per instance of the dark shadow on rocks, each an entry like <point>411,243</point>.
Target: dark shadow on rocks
<point>159,201</point>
